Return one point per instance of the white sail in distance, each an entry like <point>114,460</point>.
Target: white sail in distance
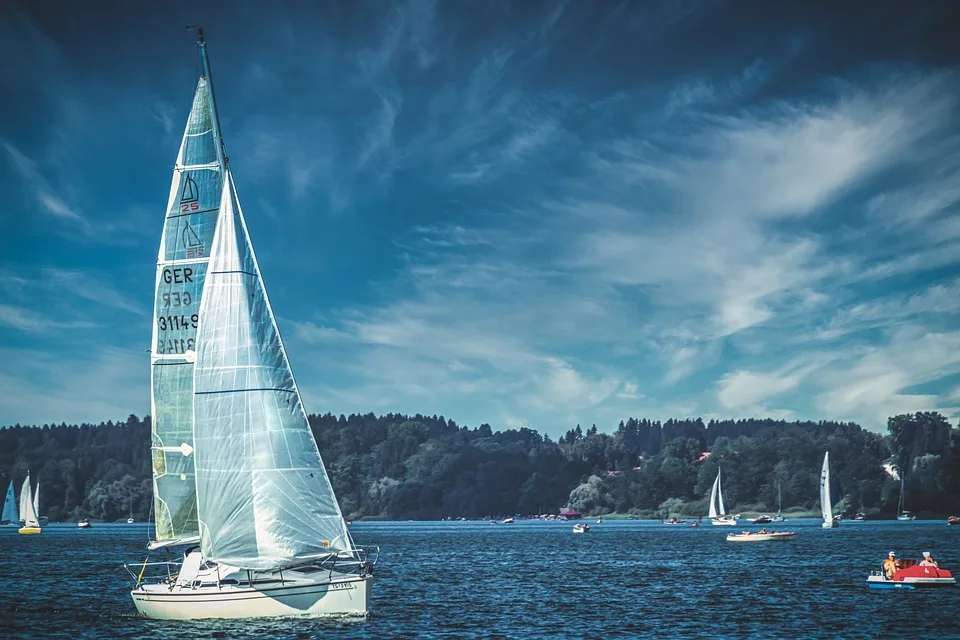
<point>263,496</point>
<point>713,496</point>
<point>10,512</point>
<point>826,507</point>
<point>189,225</point>
<point>720,506</point>
<point>27,511</point>
<point>36,500</point>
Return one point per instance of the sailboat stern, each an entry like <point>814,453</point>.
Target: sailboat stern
<point>323,595</point>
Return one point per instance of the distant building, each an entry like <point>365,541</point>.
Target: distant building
<point>570,514</point>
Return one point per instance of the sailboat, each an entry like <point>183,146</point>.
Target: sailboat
<point>28,509</point>
<point>11,515</point>
<point>779,517</point>
<point>42,520</point>
<point>826,506</point>
<point>718,514</point>
<point>237,473</point>
<point>901,513</point>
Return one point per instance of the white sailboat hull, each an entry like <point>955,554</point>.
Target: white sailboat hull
<point>724,521</point>
<point>339,597</point>
<point>833,524</point>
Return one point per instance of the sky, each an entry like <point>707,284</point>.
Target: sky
<point>521,213</point>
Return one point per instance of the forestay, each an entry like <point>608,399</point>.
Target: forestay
<point>192,212</point>
<point>264,499</point>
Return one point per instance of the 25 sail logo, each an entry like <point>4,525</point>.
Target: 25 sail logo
<point>189,195</point>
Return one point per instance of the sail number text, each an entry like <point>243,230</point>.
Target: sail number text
<point>178,275</point>
<point>176,299</point>
<point>178,345</point>
<point>174,323</point>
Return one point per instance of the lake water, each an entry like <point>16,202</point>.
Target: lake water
<point>527,580</point>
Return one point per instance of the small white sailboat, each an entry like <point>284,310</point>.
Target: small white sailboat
<point>236,468</point>
<point>718,513</point>
<point>11,515</point>
<point>826,506</point>
<point>903,514</point>
<point>779,517</point>
<point>28,510</point>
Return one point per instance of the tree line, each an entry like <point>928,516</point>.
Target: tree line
<point>428,467</point>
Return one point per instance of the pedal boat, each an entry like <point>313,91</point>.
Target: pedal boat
<point>915,576</point>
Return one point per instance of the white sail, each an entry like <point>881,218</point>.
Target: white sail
<point>720,506</point>
<point>263,497</point>
<point>10,511</point>
<point>826,507</point>
<point>27,510</point>
<point>192,212</point>
<point>713,497</point>
<point>36,500</point>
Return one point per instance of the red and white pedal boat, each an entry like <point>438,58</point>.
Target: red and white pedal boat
<point>915,576</point>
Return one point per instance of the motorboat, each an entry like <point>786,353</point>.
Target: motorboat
<point>762,519</point>
<point>507,521</point>
<point>83,524</point>
<point>912,575</point>
<point>581,528</point>
<point>761,536</point>
<point>860,516</point>
<point>674,521</point>
<point>953,520</point>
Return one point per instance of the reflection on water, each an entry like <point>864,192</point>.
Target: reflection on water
<point>527,580</point>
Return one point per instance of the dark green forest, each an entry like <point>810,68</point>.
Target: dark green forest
<point>420,467</point>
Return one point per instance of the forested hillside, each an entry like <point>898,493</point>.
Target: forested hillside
<point>422,467</point>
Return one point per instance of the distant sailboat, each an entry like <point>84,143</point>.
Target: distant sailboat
<point>236,468</point>
<point>717,513</point>
<point>826,506</point>
<point>11,515</point>
<point>28,510</point>
<point>779,517</point>
<point>902,514</point>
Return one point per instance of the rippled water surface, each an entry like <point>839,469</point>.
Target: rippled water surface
<point>526,580</point>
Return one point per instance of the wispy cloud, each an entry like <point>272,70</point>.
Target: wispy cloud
<point>40,189</point>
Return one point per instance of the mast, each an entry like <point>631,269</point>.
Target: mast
<point>218,132</point>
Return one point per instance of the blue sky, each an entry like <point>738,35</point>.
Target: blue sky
<point>528,213</point>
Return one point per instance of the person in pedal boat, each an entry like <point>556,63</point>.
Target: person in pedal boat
<point>928,561</point>
<point>890,565</point>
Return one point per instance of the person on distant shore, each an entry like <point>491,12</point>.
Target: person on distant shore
<point>890,565</point>
<point>928,561</point>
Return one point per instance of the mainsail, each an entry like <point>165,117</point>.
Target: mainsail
<point>27,510</point>
<point>826,507</point>
<point>713,497</point>
<point>263,496</point>
<point>36,500</point>
<point>10,512</point>
<point>188,230</point>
